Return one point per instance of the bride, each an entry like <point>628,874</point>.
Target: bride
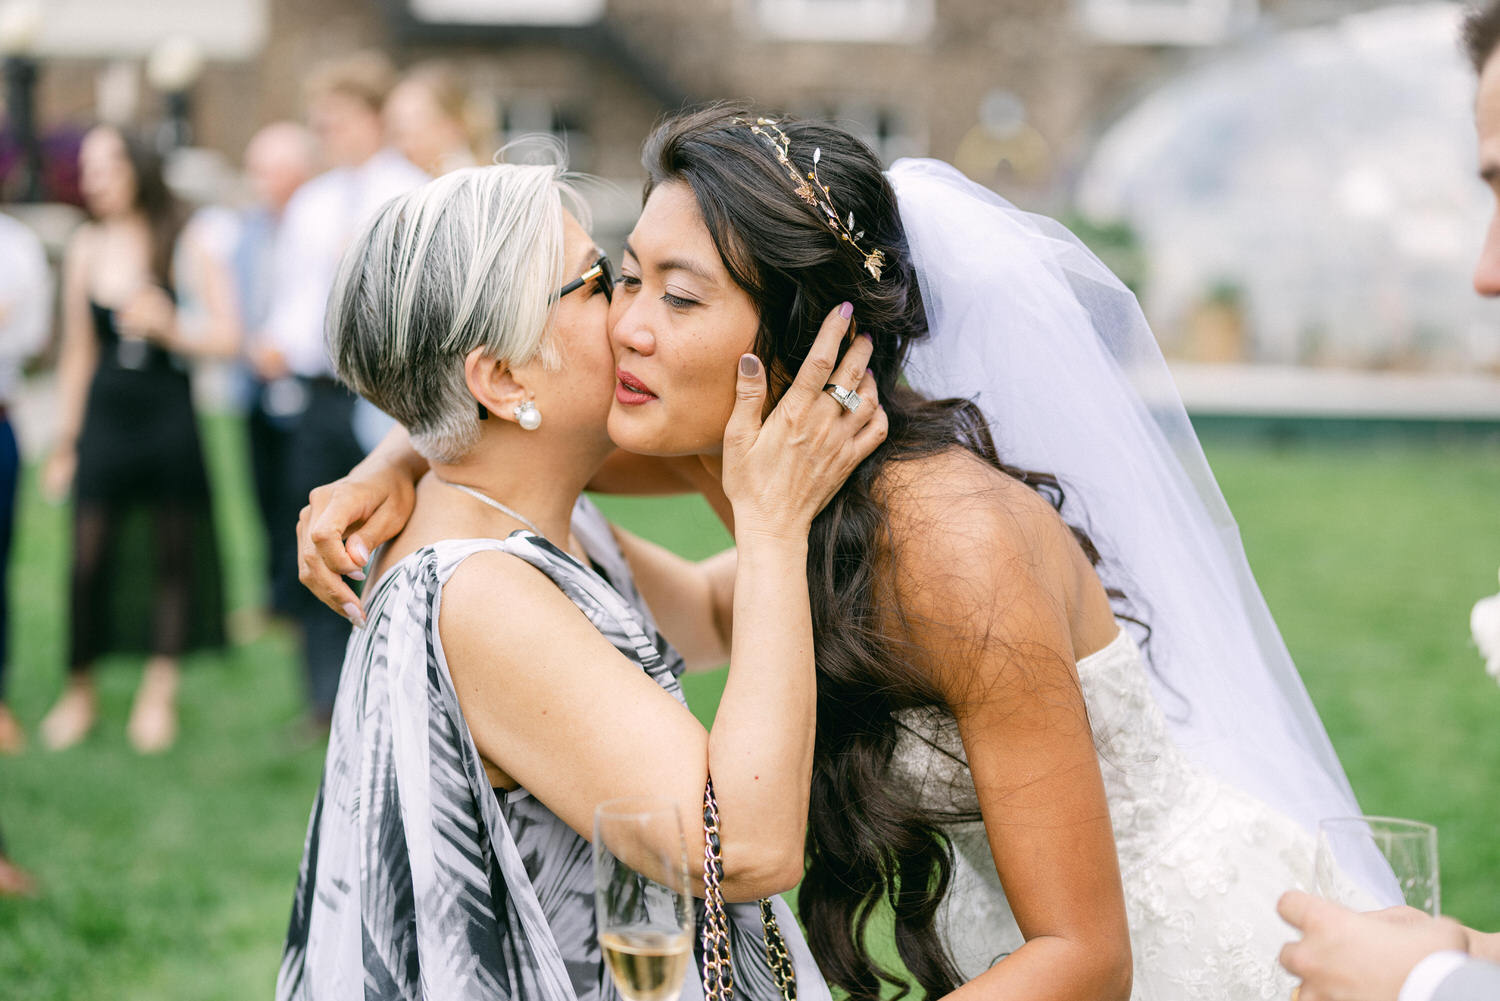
<point>1071,756</point>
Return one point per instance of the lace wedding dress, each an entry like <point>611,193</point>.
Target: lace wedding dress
<point>1202,863</point>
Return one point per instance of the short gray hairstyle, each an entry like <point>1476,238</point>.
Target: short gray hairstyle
<point>471,260</point>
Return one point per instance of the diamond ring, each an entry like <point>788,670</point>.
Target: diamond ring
<point>848,399</point>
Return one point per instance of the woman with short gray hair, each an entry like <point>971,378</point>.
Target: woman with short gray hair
<point>485,708</point>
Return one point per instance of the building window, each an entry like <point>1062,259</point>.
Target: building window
<point>490,12</point>
<point>885,130</point>
<point>1165,22</point>
<point>521,116</point>
<point>120,29</point>
<point>844,20</point>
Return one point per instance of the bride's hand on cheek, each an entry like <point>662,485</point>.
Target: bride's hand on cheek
<point>780,472</point>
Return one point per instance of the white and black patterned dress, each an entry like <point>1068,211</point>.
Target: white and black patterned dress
<point>417,879</point>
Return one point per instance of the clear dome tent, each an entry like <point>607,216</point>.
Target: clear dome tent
<point>1324,179</point>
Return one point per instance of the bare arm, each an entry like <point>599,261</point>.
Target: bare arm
<point>75,367</point>
<point>1483,945</point>
<point>221,334</point>
<point>563,714</point>
<point>988,585</point>
<point>778,476</point>
<point>693,601</point>
<point>346,519</point>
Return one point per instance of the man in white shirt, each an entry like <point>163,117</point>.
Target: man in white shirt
<point>1403,955</point>
<point>344,110</point>
<point>25,319</point>
<point>279,160</point>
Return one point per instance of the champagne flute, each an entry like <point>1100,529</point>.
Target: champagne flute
<point>133,348</point>
<point>641,896</point>
<point>1373,862</point>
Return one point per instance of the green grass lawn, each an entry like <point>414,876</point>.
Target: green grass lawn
<point>171,877</point>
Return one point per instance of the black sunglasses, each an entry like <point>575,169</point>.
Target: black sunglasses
<point>602,272</point>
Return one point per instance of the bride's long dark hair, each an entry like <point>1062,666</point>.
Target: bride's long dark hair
<point>866,842</point>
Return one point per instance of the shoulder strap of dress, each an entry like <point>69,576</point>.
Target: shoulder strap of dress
<point>620,620</point>
<point>598,538</point>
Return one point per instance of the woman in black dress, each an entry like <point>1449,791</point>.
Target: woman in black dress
<point>128,445</point>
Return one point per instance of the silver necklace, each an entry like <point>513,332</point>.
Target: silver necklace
<point>485,498</point>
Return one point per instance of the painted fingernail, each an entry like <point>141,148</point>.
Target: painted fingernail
<point>867,337</point>
<point>359,550</point>
<point>355,575</point>
<point>846,310</point>
<point>869,371</point>
<point>352,612</point>
<point>749,366</point>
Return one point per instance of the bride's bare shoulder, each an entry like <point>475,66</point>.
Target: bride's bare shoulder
<point>956,495</point>
<point>970,543</point>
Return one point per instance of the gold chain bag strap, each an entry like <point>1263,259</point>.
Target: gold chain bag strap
<point>718,976</point>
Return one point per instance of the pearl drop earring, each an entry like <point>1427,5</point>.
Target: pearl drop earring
<point>528,416</point>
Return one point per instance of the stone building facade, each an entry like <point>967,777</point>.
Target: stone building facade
<point>1012,91</point>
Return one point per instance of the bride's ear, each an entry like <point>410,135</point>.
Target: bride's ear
<point>493,385</point>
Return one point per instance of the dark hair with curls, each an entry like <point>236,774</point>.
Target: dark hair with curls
<point>1481,34</point>
<point>164,214</point>
<point>865,841</point>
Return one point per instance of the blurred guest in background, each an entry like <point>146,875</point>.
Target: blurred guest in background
<point>1481,38</point>
<point>279,159</point>
<point>345,100</point>
<point>25,315</point>
<point>128,448</point>
<point>431,119</point>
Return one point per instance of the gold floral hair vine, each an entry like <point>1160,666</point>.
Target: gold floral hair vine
<point>815,193</point>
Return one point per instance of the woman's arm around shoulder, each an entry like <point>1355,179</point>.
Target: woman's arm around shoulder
<point>557,709</point>
<point>999,596</point>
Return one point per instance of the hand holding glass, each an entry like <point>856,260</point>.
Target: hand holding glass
<point>1367,863</point>
<point>641,897</point>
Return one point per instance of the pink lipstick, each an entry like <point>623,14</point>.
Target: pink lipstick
<point>630,390</point>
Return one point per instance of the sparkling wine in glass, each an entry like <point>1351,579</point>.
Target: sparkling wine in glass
<point>1368,863</point>
<point>641,897</point>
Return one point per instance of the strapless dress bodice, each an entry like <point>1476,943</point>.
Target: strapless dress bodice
<point>1201,862</point>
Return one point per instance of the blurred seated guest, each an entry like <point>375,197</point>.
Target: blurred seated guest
<point>128,447</point>
<point>345,99</point>
<point>25,315</point>
<point>1400,954</point>
<point>14,881</point>
<point>431,119</point>
<point>278,160</point>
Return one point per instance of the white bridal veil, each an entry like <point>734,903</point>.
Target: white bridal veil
<point>1054,348</point>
